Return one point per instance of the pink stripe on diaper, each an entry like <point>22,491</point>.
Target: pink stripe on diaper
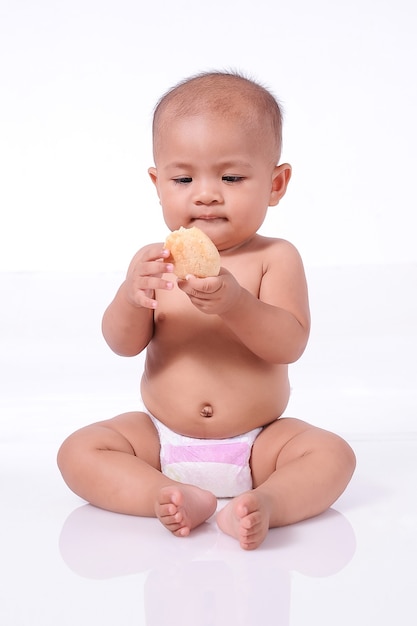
<point>233,453</point>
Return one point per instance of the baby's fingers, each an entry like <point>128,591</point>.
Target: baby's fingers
<point>152,268</point>
<point>195,286</point>
<point>143,290</point>
<point>145,300</point>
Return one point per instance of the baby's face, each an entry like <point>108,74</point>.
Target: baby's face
<point>216,174</point>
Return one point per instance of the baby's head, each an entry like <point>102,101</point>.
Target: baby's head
<point>226,94</point>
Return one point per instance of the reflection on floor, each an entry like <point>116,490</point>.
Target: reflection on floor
<point>65,562</point>
<point>223,580</point>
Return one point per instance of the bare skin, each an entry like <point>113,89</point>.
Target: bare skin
<point>180,508</point>
<point>246,519</point>
<point>217,348</point>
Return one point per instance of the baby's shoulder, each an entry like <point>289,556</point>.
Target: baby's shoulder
<point>275,247</point>
<point>262,254</point>
<point>279,259</point>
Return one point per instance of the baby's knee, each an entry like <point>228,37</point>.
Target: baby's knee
<point>350,456</point>
<point>332,450</point>
<point>68,453</point>
<point>78,448</point>
<point>343,454</point>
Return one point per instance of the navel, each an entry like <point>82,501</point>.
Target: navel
<point>206,411</point>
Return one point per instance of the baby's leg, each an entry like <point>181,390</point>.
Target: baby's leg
<point>298,472</point>
<point>115,465</point>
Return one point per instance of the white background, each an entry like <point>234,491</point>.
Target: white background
<point>79,79</point>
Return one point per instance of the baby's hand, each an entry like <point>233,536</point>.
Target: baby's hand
<point>145,275</point>
<point>212,295</point>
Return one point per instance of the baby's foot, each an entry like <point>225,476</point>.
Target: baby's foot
<point>180,508</point>
<point>246,518</point>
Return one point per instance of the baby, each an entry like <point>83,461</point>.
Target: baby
<point>215,382</point>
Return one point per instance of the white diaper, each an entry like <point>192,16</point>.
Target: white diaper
<point>218,465</point>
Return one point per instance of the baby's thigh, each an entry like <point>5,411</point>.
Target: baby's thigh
<point>138,433</point>
<point>279,443</point>
<point>130,433</point>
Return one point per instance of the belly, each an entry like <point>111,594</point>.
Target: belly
<point>215,400</point>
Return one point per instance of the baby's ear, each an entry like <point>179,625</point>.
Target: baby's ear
<point>280,179</point>
<point>153,174</point>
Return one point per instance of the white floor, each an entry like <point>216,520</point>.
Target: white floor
<point>64,562</point>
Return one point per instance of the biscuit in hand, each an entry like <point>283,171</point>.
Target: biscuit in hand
<point>192,252</point>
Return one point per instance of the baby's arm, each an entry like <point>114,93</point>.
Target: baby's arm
<point>275,326</point>
<point>128,320</point>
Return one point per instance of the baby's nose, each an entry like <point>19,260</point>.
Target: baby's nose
<point>207,192</point>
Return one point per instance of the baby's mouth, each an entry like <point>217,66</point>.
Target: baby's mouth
<point>208,218</point>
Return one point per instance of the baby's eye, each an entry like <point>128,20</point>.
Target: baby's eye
<point>232,179</point>
<point>183,180</point>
